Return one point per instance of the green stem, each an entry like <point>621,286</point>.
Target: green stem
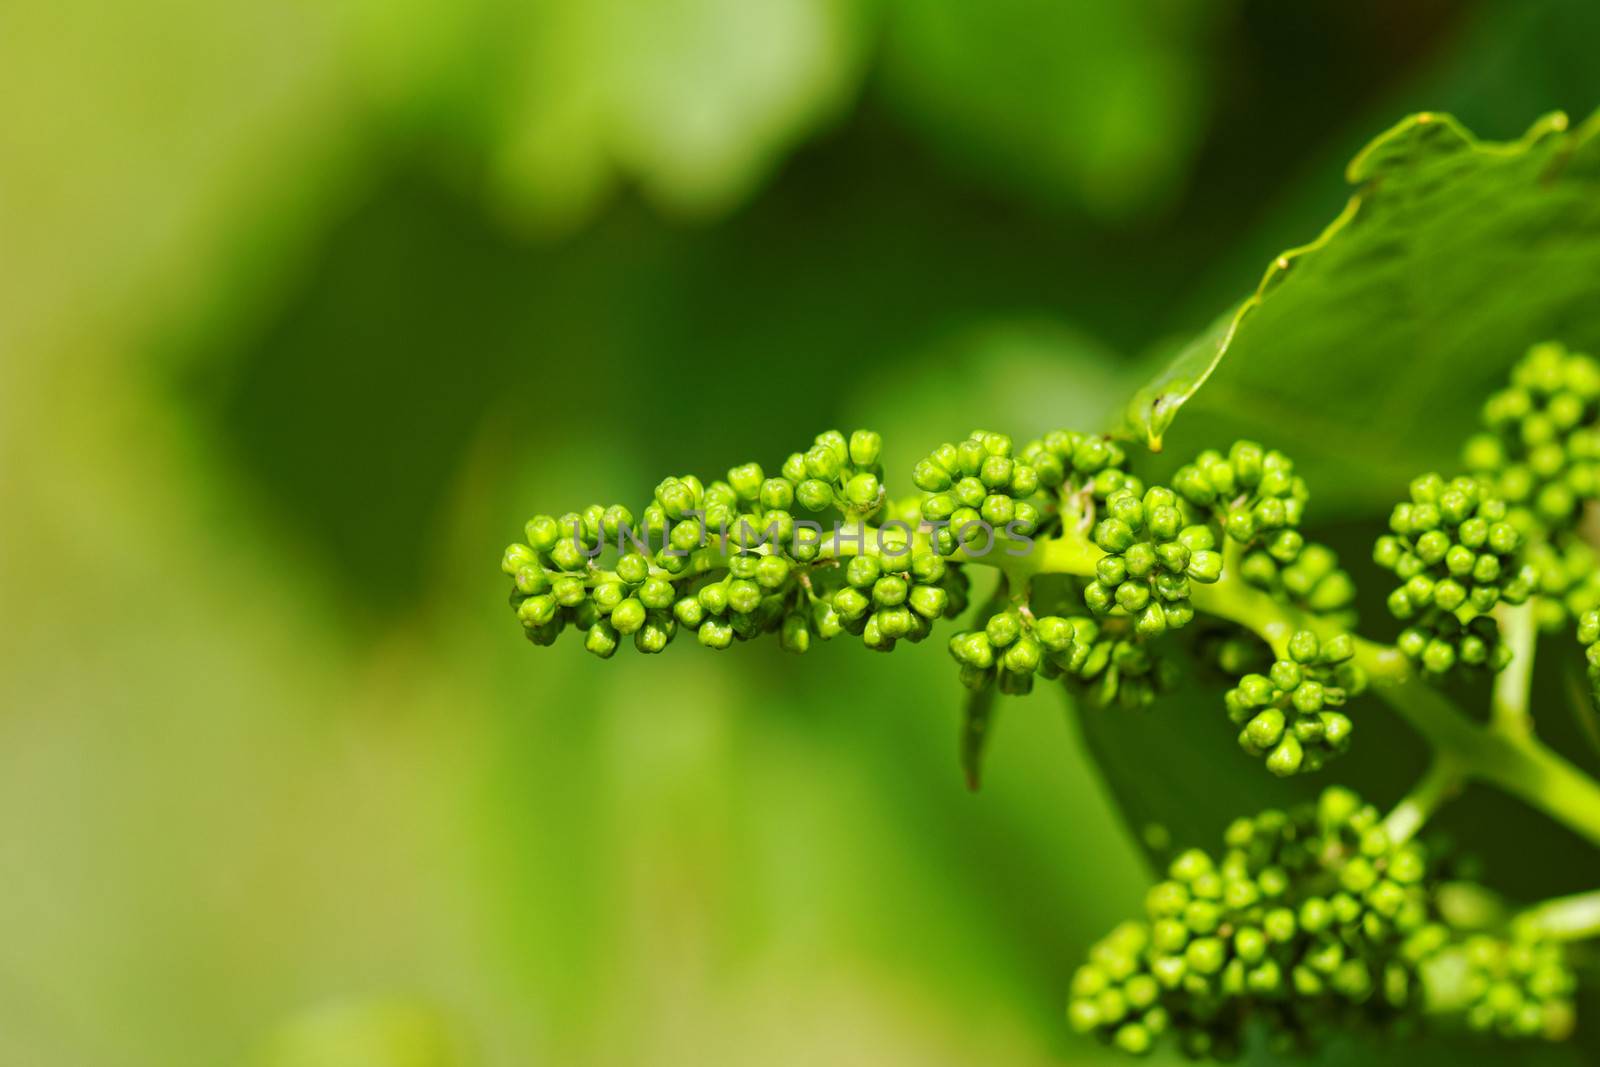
<point>1512,686</point>
<point>1501,755</point>
<point>1519,765</point>
<point>1440,785</point>
<point>1566,918</point>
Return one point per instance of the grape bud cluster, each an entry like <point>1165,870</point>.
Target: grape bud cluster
<point>1082,469</point>
<point>1540,451</point>
<point>729,561</point>
<point>1311,922</point>
<point>1150,558</point>
<point>1589,638</point>
<point>1456,556</point>
<point>1288,714</point>
<point>1253,494</point>
<point>895,595</point>
<point>1013,646</point>
<point>1515,985</point>
<point>1567,579</point>
<point>1258,502</point>
<point>834,473</point>
<point>1308,921</point>
<point>976,488</point>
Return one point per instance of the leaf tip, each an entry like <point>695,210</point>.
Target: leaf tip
<point>1162,411</point>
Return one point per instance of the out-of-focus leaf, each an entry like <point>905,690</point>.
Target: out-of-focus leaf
<point>1020,376</point>
<point>692,99</point>
<point>1096,103</point>
<point>155,161</point>
<point>1366,353</point>
<point>365,1033</point>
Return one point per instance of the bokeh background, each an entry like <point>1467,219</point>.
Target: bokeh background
<point>305,307</point>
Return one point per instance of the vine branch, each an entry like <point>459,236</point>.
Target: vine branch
<point>1439,786</point>
<point>1512,686</point>
<point>1510,759</point>
<point>1566,918</point>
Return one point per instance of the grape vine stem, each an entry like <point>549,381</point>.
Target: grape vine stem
<point>1566,918</point>
<point>1504,754</point>
<point>1440,785</point>
<point>1509,705</point>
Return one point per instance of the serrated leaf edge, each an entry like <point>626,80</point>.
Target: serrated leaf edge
<point>1159,412</point>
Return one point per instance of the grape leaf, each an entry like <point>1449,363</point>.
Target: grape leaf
<point>1365,353</point>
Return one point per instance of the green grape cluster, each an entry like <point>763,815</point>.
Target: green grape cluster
<point>1288,714</point>
<point>1456,556</point>
<point>1081,469</point>
<point>1566,578</point>
<point>1121,670</point>
<point>727,562</point>
<point>834,472</point>
<point>1013,646</point>
<point>1151,557</point>
<point>1540,451</point>
<point>1314,582</point>
<point>1589,638</point>
<point>1516,985</point>
<point>895,595</point>
<point>976,488</point>
<point>1253,494</point>
<point>1312,921</point>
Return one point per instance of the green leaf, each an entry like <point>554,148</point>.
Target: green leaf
<point>1156,404</point>
<point>1365,354</point>
<point>695,100</point>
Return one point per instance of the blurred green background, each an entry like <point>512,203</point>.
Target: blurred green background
<point>305,307</point>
